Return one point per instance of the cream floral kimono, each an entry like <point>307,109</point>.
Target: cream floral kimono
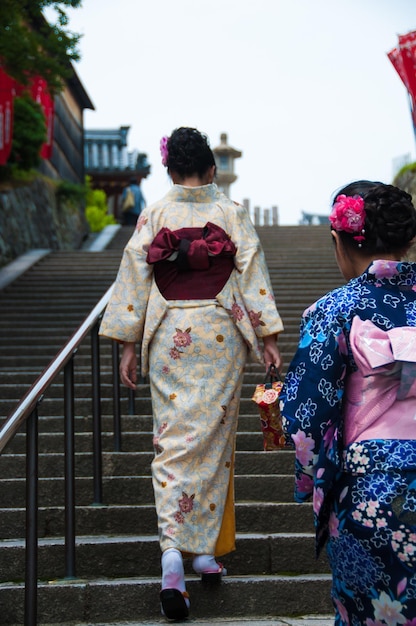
<point>195,352</point>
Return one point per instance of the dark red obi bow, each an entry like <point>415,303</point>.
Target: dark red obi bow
<point>193,246</point>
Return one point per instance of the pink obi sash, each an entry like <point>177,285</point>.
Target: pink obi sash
<point>380,398</point>
<point>191,263</point>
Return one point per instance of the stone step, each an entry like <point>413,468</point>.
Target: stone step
<point>134,423</point>
<point>103,601</point>
<point>132,519</point>
<point>139,490</point>
<point>138,463</point>
<point>256,554</point>
<point>132,442</point>
<point>39,362</point>
<point>12,382</point>
<point>82,406</point>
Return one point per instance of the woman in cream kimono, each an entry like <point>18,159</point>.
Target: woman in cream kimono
<point>194,289</point>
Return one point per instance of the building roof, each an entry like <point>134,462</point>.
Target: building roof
<point>79,91</point>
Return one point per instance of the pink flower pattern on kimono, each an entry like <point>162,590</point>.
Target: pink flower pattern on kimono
<point>342,611</point>
<point>141,222</point>
<point>318,498</point>
<point>333,525</point>
<point>388,610</point>
<point>304,447</point>
<point>383,269</point>
<point>156,445</point>
<point>179,517</point>
<point>186,503</point>
<point>304,483</point>
<point>255,319</point>
<point>237,312</point>
<point>182,338</point>
<point>175,354</point>
<point>330,436</point>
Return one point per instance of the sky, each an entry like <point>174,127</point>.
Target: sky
<point>304,88</point>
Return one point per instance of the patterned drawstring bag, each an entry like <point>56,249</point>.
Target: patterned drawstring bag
<point>266,396</point>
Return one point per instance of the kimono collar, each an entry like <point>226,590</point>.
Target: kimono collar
<point>205,193</point>
<point>386,273</point>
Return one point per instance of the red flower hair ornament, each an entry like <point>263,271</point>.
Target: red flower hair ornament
<point>164,150</point>
<point>348,214</point>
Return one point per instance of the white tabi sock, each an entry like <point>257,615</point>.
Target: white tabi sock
<point>173,576</point>
<point>205,563</point>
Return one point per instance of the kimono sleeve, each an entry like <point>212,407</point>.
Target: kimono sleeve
<point>253,277</point>
<point>311,400</point>
<point>125,314</point>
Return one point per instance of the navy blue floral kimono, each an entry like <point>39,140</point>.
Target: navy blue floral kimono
<point>349,405</point>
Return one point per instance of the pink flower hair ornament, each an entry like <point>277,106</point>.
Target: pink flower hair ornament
<point>348,214</point>
<point>164,150</point>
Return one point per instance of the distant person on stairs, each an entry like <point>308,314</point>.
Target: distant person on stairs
<point>132,203</point>
<point>194,288</point>
<point>349,404</point>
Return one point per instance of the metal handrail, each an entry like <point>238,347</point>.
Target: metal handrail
<point>31,399</point>
<point>27,411</point>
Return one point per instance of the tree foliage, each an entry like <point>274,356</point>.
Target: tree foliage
<point>31,46</point>
<point>29,133</point>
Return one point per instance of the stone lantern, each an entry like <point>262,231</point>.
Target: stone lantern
<point>224,157</point>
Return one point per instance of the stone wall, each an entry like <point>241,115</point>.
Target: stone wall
<point>31,216</point>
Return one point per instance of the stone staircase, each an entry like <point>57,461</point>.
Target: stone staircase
<point>273,571</point>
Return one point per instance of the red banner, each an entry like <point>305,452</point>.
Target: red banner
<point>7,93</point>
<point>396,59</point>
<point>9,88</point>
<point>403,58</point>
<point>42,96</point>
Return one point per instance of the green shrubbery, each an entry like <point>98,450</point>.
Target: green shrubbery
<point>71,193</point>
<point>96,209</point>
<point>94,199</point>
<point>409,167</point>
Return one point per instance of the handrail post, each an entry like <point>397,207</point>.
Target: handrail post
<point>116,395</point>
<point>69,469</point>
<point>32,468</point>
<point>96,415</point>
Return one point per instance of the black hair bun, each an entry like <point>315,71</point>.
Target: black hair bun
<point>390,218</point>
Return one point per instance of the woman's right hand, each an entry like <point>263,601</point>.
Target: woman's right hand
<point>271,353</point>
<point>128,365</point>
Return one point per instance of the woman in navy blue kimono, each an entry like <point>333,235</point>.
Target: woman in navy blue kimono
<point>349,405</point>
